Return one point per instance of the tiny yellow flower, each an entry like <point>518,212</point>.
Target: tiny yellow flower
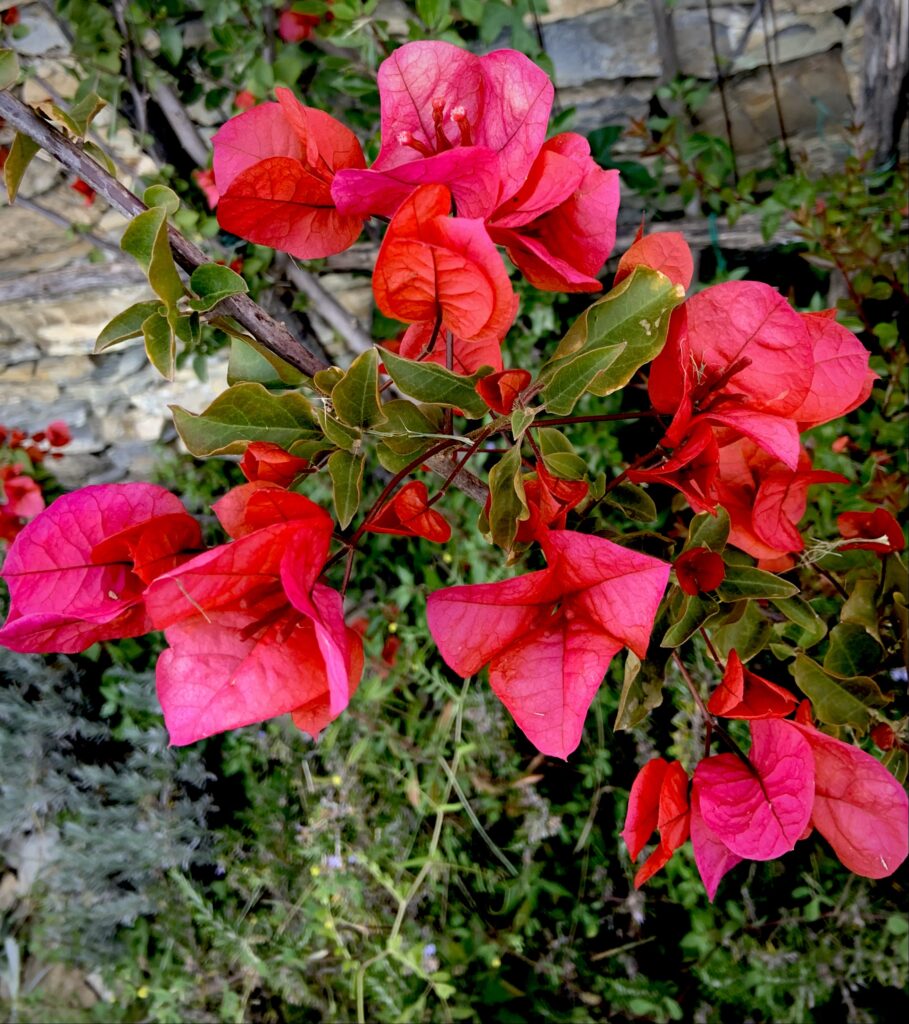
<point>336,780</point>
<point>142,992</point>
<point>315,871</point>
<point>447,559</point>
<point>495,962</point>
<point>392,627</point>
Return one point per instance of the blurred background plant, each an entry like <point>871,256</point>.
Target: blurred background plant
<point>422,862</point>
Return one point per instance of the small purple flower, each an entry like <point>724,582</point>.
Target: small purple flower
<point>334,861</point>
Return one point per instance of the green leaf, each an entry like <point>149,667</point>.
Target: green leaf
<point>212,283</point>
<point>709,531</point>
<point>99,156</point>
<point>852,651</point>
<point>696,611</point>
<point>244,413</point>
<point>520,421</point>
<point>163,197</point>
<point>171,37</point>
<point>743,582</point>
<point>356,396</point>
<point>160,344</point>
<point>433,12</point>
<point>642,691</point>
<point>80,115</point>
<point>508,502</point>
<point>84,111</point>
<point>748,632</point>
<point>896,762</point>
<point>346,472</point>
<point>20,156</point>
<point>861,608</point>
<point>559,455</point>
<point>9,69</point>
<point>567,379</point>
<point>326,379</point>
<point>390,460</point>
<point>838,701</point>
<point>634,501</point>
<point>250,361</point>
<point>635,313</point>
<point>145,239</point>
<point>348,438</point>
<point>127,324</point>
<point>809,627</point>
<point>408,427</point>
<point>431,383</point>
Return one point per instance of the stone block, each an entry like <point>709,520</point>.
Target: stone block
<point>740,39</point>
<point>68,326</point>
<point>608,102</point>
<point>813,97</point>
<point>613,43</point>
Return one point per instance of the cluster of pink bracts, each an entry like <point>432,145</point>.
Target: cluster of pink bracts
<point>252,630</point>
<point>464,166</point>
<point>794,779</point>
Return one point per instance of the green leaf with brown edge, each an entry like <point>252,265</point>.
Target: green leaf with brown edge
<point>852,651</point>
<point>838,701</point>
<point>634,313</point>
<point>566,380</point>
<point>211,283</point>
<point>145,239</point>
<point>408,427</point>
<point>743,582</point>
<point>808,627</point>
<point>17,161</point>
<point>356,395</point>
<point>508,502</point>
<point>642,691</point>
<point>160,344</point>
<point>634,501</point>
<point>390,460</point>
<point>709,531</point>
<point>348,438</point>
<point>250,361</point>
<point>326,379</point>
<point>9,68</point>
<point>243,413</point>
<point>346,472</point>
<point>696,612</point>
<point>125,325</point>
<point>80,115</point>
<point>433,384</point>
<point>861,607</point>
<point>748,632</point>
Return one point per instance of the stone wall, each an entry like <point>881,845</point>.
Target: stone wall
<point>609,63</point>
<point>608,58</point>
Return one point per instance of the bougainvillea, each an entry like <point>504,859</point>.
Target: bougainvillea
<point>255,626</point>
